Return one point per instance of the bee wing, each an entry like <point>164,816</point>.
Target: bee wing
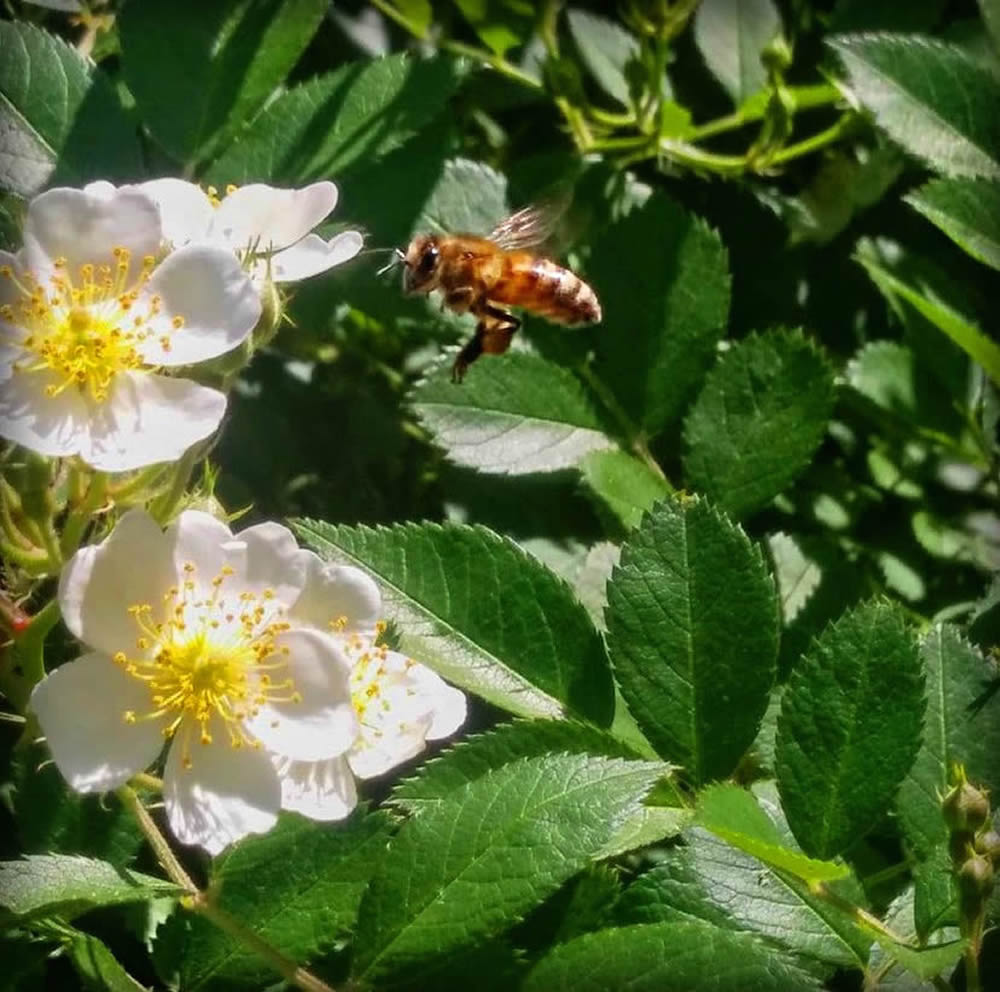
<point>528,228</point>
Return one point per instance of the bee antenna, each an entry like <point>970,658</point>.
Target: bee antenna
<point>398,256</point>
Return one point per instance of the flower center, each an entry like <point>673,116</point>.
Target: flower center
<point>210,656</point>
<point>82,331</point>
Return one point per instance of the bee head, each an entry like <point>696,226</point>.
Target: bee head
<point>421,260</point>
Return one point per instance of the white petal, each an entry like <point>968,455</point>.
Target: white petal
<point>448,706</point>
<point>210,292</point>
<point>333,592</point>
<point>268,219</point>
<point>377,753</point>
<point>50,425</point>
<point>98,584</point>
<point>198,539</point>
<point>313,255</point>
<point>185,209</point>
<point>274,561</point>
<point>151,418</point>
<point>86,227</point>
<point>226,794</point>
<point>9,293</point>
<point>323,724</point>
<point>81,708</point>
<point>321,790</point>
<point>100,188</point>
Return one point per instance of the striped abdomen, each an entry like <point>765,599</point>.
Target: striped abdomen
<point>544,288</point>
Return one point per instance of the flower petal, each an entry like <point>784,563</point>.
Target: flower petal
<point>131,565</point>
<point>448,706</point>
<point>274,562</point>
<point>335,592</point>
<point>150,418</point>
<point>86,227</point>
<point>323,723</point>
<point>199,540</point>
<point>185,209</point>
<point>51,425</point>
<point>377,753</point>
<point>81,708</point>
<point>313,255</point>
<point>207,291</point>
<point>267,219</point>
<point>321,790</point>
<point>224,795</point>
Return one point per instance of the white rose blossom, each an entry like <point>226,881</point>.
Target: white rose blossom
<point>268,226</point>
<point>222,645</point>
<point>89,319</point>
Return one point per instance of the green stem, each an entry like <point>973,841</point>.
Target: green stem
<point>860,916</point>
<point>35,561</point>
<point>9,498</point>
<point>401,19</point>
<point>129,798</point>
<point>501,65</point>
<point>18,682</point>
<point>162,508</point>
<point>610,118</point>
<point>81,516</point>
<point>814,143</point>
<point>802,98</point>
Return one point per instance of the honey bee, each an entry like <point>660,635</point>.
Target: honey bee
<point>486,276</point>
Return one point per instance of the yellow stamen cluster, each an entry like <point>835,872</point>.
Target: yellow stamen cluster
<point>370,675</point>
<point>84,328</point>
<point>204,655</point>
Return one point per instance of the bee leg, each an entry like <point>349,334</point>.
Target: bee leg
<point>472,349</point>
<point>458,300</point>
<point>498,327</point>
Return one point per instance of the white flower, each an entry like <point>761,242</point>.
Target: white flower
<point>194,638</point>
<point>269,226</point>
<point>401,704</point>
<point>87,319</point>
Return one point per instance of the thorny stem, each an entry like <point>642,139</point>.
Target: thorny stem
<point>198,901</point>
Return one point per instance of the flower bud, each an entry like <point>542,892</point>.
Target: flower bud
<point>965,808</point>
<point>988,844</point>
<point>960,845</point>
<point>975,883</point>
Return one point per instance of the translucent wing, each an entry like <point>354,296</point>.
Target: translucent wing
<point>528,228</point>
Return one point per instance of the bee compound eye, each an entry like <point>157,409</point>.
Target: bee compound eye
<point>428,260</point>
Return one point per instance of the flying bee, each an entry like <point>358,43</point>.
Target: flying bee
<point>486,276</point>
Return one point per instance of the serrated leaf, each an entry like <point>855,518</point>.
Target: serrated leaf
<point>500,24</point>
<point>668,957</point>
<point>849,728</point>
<point>758,420</point>
<point>97,967</point>
<point>223,61</point>
<point>606,49</point>
<point>348,117</point>
<point>492,850</point>
<point>663,279</point>
<point>298,888</point>
<point>967,210</point>
<point>60,118</point>
<point>732,814</point>
<point>692,633</point>
<point>955,730</point>
<point>471,197</point>
<point>483,613</point>
<point>731,35</point>
<point>934,895</point>
<point>626,485</point>
<point>514,414</point>
<point>930,97</point>
<point>710,880</point>
<point>474,756</point>
<point>796,575</point>
<point>926,301</point>
<point>41,884</point>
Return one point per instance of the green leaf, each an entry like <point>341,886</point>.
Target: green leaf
<point>710,880</point>
<point>470,197</point>
<point>298,888</point>
<point>967,210</point>
<point>500,24</point>
<point>849,728</point>
<point>733,814</point>
<point>954,731</point>
<point>492,850</point>
<point>349,117</point>
<point>692,632</point>
<point>626,485</point>
<point>514,414</point>
<point>934,895</point>
<point>200,72</point>
<point>924,962</point>
<point>606,49</point>
<point>663,279</point>
<point>940,313</point>
<point>60,117</point>
<point>43,884</point>
<point>483,613</point>
<point>474,756</point>
<point>97,967</point>
<point>990,10</point>
<point>731,34</point>
<point>930,97</point>
<point>758,420</point>
<point>668,957</point>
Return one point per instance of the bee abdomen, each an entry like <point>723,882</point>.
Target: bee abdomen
<point>550,291</point>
